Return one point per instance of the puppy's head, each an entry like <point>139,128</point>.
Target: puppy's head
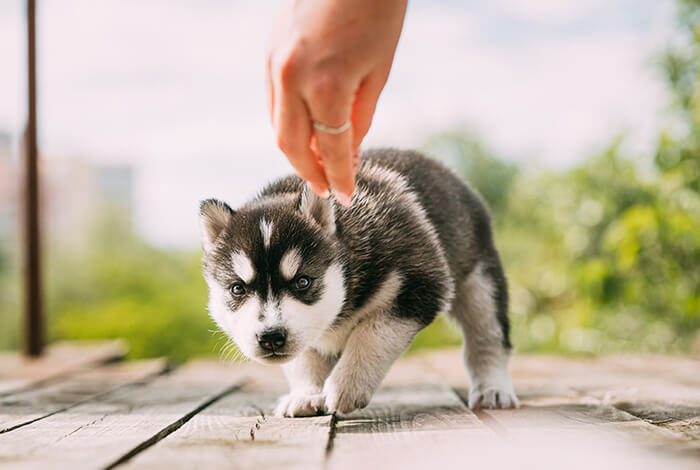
<point>275,282</point>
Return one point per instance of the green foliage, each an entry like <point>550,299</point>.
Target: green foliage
<point>121,287</point>
<point>628,259</point>
<point>439,334</point>
<point>491,177</point>
<point>9,296</point>
<point>602,257</point>
<point>605,256</point>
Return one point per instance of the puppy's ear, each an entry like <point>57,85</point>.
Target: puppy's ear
<point>214,216</point>
<point>317,209</point>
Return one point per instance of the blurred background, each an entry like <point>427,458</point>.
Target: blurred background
<point>578,121</point>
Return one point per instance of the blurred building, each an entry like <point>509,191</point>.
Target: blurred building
<point>8,188</point>
<point>116,186</point>
<point>72,193</point>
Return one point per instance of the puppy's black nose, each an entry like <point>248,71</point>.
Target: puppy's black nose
<point>272,339</point>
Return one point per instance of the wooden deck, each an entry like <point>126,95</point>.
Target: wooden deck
<point>81,407</point>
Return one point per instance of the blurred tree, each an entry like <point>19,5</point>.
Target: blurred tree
<point>652,247</point>
<point>9,296</point>
<point>486,173</point>
<point>602,257</point>
<point>607,256</point>
<point>678,157</point>
<point>119,286</point>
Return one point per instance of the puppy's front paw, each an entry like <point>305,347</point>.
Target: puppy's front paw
<point>296,405</point>
<point>345,398</point>
<point>497,394</point>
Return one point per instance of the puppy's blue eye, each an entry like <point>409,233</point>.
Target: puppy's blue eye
<point>302,283</point>
<point>238,289</point>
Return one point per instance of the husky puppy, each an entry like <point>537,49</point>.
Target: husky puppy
<point>336,294</point>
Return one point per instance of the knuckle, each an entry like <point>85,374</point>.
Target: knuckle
<point>326,85</point>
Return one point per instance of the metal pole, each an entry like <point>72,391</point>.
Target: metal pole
<point>33,321</point>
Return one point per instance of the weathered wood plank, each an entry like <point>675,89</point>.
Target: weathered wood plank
<point>605,430</point>
<point>212,438</point>
<point>239,432</point>
<point>406,427</point>
<point>554,412</point>
<point>677,369</point>
<point>22,408</point>
<point>609,394</point>
<point>682,419</point>
<point>599,383</point>
<point>575,396</point>
<point>19,373</point>
<point>236,433</point>
<point>576,413</point>
<point>113,427</point>
<point>599,436</point>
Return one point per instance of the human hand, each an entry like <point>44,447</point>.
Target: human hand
<point>327,62</point>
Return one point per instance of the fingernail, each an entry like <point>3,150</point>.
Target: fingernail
<point>342,198</point>
<point>322,193</point>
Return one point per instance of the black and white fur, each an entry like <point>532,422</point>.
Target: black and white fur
<point>415,242</point>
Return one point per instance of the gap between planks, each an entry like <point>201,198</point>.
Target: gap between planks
<point>25,408</point>
<point>239,432</point>
<point>172,427</point>
<point>404,422</point>
<point>414,425</point>
<point>20,374</point>
<point>109,430</point>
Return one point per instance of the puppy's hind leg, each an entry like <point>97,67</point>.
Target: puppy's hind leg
<point>481,308</point>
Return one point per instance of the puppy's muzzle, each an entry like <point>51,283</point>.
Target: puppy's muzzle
<point>272,339</point>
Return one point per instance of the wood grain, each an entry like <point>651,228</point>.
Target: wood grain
<point>604,379</point>
<point>211,439</point>
<point>100,433</point>
<point>406,427</point>
<point>19,373</point>
<point>578,413</point>
<point>239,432</point>
<point>23,408</point>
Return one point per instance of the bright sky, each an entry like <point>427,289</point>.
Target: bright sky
<point>176,88</point>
